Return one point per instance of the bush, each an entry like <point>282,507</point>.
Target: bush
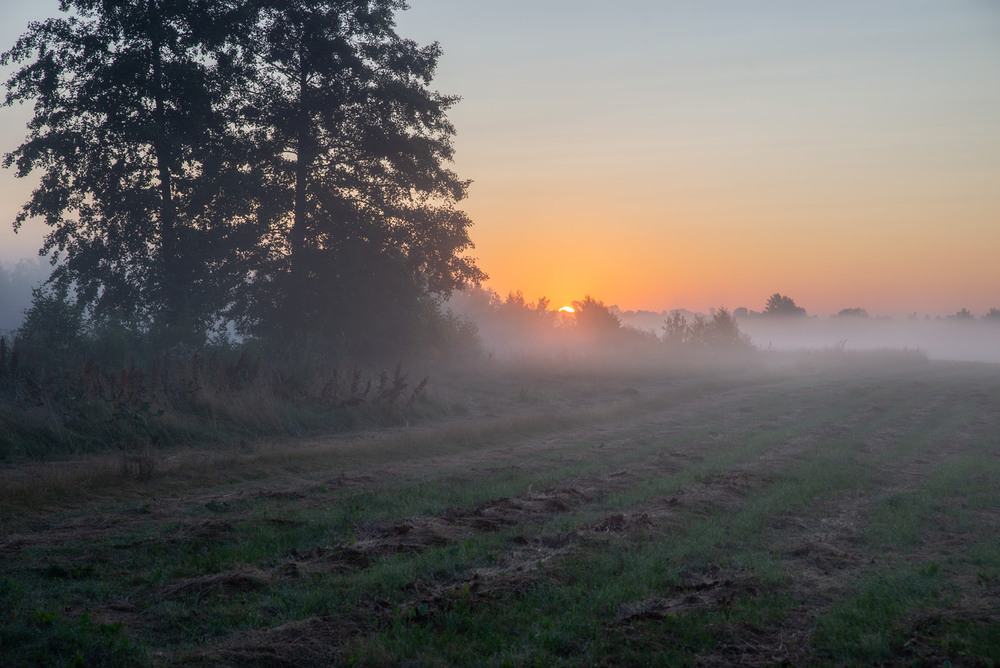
<point>719,332</point>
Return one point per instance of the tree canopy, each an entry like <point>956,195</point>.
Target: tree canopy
<point>132,148</point>
<point>278,163</point>
<point>779,305</point>
<point>353,140</point>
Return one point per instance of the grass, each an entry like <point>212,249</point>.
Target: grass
<point>51,411</point>
<point>786,516</point>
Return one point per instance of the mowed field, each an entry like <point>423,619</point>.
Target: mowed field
<point>836,510</point>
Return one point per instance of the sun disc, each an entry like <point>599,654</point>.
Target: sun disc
<point>567,309</point>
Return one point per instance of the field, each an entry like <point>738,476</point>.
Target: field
<point>839,509</point>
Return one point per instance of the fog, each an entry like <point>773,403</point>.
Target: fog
<point>945,338</point>
<point>525,330</point>
<point>16,282</point>
<point>515,328</point>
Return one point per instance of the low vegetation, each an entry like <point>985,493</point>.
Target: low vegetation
<point>81,405</point>
<point>814,509</point>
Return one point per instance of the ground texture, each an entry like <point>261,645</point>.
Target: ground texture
<point>821,513</point>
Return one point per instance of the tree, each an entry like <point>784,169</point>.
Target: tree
<point>675,329</point>
<point>594,321</point>
<point>853,313</point>
<point>353,146</point>
<point>721,331</point>
<point>53,326</point>
<point>779,305</point>
<point>137,181</point>
<point>277,162</point>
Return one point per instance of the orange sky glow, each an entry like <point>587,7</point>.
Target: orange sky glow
<point>844,155</point>
<point>676,155</point>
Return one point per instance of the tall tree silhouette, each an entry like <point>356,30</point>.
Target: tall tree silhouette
<point>138,184</point>
<point>354,145</point>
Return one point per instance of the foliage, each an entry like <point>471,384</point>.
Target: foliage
<point>675,329</point>
<point>594,322</point>
<point>83,405</point>
<point>54,326</point>
<point>352,145</point>
<point>508,324</point>
<point>718,332</point>
<point>137,173</point>
<point>853,313</point>
<point>992,315</point>
<point>280,165</point>
<point>779,305</point>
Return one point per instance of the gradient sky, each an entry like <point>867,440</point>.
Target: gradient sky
<point>694,154</point>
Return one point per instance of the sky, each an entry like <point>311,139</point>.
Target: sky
<point>678,154</point>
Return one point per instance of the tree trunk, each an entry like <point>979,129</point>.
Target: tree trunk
<point>170,279</point>
<point>303,158</point>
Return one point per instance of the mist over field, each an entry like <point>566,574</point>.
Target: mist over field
<point>940,337</point>
<point>270,393</point>
<point>513,327</point>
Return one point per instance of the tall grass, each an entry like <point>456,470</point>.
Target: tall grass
<point>82,405</point>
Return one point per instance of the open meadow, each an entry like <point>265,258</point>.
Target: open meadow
<point>814,509</point>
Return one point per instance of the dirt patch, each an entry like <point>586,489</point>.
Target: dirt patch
<point>933,635</point>
<point>516,570</point>
<point>752,645</point>
<point>241,579</point>
<point>621,523</point>
<point>420,533</point>
<point>67,532</point>
<point>200,532</point>
<point>715,589</point>
<point>415,535</point>
<point>317,641</point>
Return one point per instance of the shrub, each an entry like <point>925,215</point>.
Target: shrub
<point>720,331</point>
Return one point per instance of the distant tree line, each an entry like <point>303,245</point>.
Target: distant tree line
<point>275,167</point>
<point>781,306</point>
<point>513,324</point>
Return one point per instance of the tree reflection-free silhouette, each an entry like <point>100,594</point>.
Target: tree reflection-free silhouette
<point>138,185</point>
<point>280,165</point>
<point>594,321</point>
<point>355,144</point>
<point>781,305</point>
<point>720,331</point>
